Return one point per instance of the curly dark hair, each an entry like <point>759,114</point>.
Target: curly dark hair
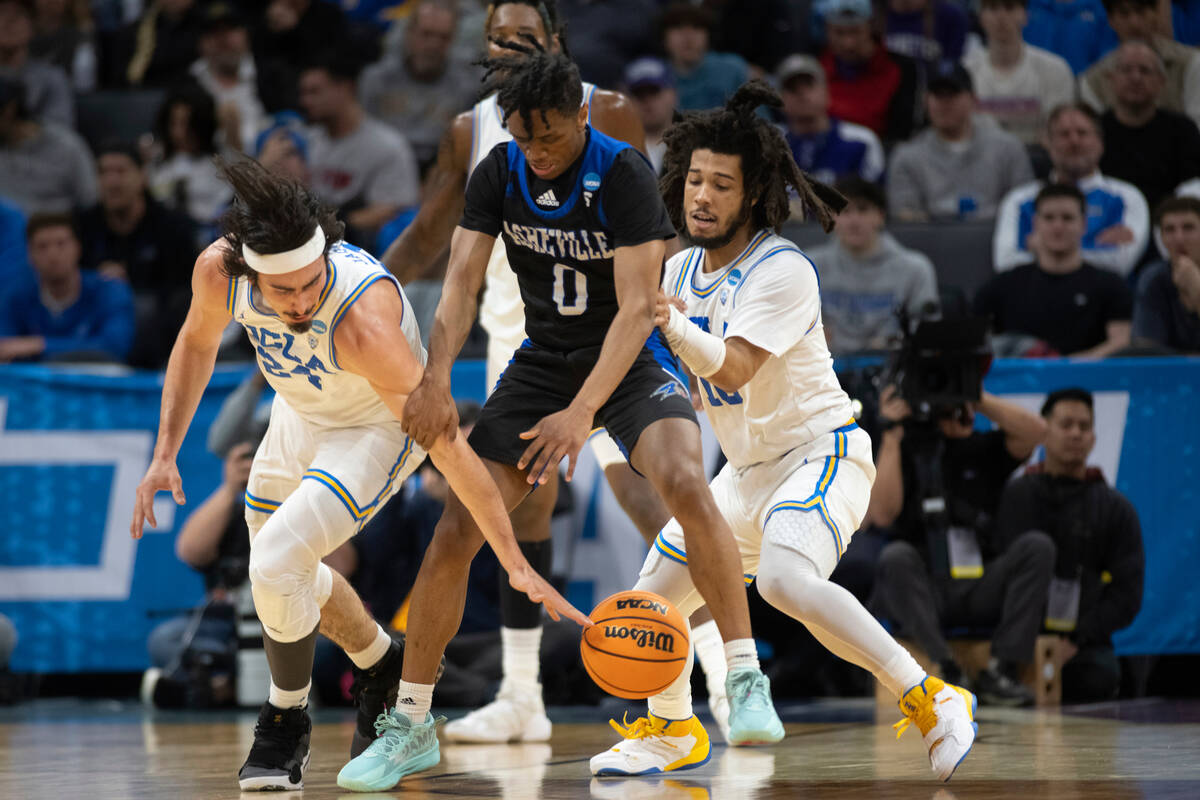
<point>546,9</point>
<point>271,213</point>
<point>768,169</point>
<point>533,79</point>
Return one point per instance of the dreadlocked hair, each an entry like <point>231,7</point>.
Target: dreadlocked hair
<point>269,212</point>
<point>768,169</point>
<point>546,9</point>
<point>533,79</point>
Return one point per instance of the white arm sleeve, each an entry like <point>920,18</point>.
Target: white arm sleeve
<point>1006,250</point>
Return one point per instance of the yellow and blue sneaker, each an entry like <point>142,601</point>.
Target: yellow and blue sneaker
<point>652,744</point>
<point>752,717</point>
<point>403,747</point>
<point>945,714</point>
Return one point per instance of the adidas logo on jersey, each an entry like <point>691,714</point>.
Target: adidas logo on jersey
<point>548,199</point>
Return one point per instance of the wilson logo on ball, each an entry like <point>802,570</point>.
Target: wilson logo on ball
<point>642,603</point>
<point>642,637</point>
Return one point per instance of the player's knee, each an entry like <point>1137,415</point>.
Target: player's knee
<point>283,584</point>
<point>784,589</point>
<point>684,490</point>
<point>455,543</point>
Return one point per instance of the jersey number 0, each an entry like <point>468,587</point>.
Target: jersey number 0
<point>570,291</point>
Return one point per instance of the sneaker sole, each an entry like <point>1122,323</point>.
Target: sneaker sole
<point>612,772</point>
<point>273,783</point>
<point>538,735</point>
<point>423,762</point>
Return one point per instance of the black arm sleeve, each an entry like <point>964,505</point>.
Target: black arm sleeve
<point>1121,599</point>
<point>632,204</point>
<point>484,208</point>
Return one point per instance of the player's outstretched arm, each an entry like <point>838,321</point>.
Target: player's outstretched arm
<point>562,434</point>
<point>430,410</point>
<point>188,371</point>
<point>369,343</point>
<point>411,255</point>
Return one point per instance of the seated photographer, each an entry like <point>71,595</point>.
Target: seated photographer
<point>1097,585</point>
<point>937,487</point>
<point>1073,307</point>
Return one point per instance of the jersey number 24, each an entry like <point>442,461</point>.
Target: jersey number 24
<point>570,291</point>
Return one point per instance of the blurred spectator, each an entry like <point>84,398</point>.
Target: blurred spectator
<point>866,275</point>
<point>932,31</point>
<point>763,32</point>
<point>1075,308</point>
<point>826,148</point>
<point>159,48</point>
<point>1077,30</point>
<point>867,85</point>
<point>1166,311</point>
<point>359,164</point>
<point>1118,221</point>
<point>962,166</point>
<point>71,313</point>
<point>293,31</point>
<point>43,166</point>
<point>946,567</point>
<point>1185,22</point>
<point>1016,82</point>
<point>131,236</point>
<point>1138,20</point>
<point>418,89</point>
<point>186,178</point>
<point>283,148</point>
<point>15,272</point>
<point>609,34</point>
<point>47,88</point>
<point>1152,148</point>
<point>652,87</point>
<point>65,37</point>
<point>1100,566</point>
<point>228,71</point>
<point>703,79</point>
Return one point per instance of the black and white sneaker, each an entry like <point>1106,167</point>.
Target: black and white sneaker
<point>279,755</point>
<point>374,692</point>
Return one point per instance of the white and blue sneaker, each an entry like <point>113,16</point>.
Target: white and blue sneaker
<point>752,717</point>
<point>652,744</point>
<point>403,747</point>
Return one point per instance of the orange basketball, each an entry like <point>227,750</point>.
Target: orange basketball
<point>637,647</point>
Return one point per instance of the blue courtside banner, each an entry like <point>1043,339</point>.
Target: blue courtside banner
<point>84,596</point>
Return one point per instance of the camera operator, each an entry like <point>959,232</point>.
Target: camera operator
<point>1098,572</point>
<point>937,487</point>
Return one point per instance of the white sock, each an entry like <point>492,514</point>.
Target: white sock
<point>675,702</point>
<point>413,700</point>
<point>289,698</point>
<point>369,656</point>
<point>741,654</point>
<point>521,649</point>
<point>710,652</point>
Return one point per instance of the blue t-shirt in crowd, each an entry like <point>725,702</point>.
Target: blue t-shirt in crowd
<point>844,150</point>
<point>1077,30</point>
<point>712,82</point>
<point>906,33</point>
<point>15,272</point>
<point>102,320</point>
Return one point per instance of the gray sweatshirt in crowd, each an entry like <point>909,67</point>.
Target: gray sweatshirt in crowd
<point>960,180</point>
<point>859,296</point>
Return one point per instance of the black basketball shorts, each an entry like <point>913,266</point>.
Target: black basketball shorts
<point>539,382</point>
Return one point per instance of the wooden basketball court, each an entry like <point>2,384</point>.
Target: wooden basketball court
<point>834,749</point>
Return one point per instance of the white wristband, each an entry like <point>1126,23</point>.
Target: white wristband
<point>703,352</point>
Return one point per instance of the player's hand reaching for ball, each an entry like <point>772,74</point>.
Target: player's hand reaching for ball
<point>662,308</point>
<point>162,476</point>
<point>538,590</point>
<point>430,413</point>
<point>560,435</point>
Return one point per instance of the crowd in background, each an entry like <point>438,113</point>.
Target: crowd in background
<point>1063,133</point>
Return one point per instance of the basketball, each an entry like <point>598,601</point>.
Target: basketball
<point>638,645</point>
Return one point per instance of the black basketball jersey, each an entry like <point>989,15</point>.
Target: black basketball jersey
<point>560,235</point>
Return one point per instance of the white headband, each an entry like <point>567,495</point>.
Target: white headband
<point>289,261</point>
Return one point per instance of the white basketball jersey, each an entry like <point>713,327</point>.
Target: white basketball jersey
<point>501,311</point>
<point>769,296</point>
<point>303,368</point>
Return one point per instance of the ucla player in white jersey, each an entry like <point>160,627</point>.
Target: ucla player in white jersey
<point>337,340</point>
<point>742,309</point>
<point>518,713</point>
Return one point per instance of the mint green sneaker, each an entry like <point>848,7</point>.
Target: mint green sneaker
<point>752,717</point>
<point>401,749</point>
